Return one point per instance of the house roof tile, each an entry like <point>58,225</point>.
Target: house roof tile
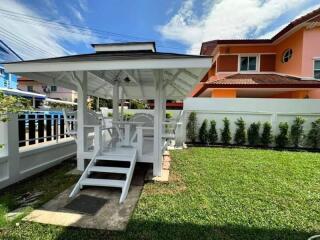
<point>258,81</point>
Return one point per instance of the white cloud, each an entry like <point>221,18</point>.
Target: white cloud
<point>225,19</point>
<point>31,39</point>
<point>273,32</point>
<point>77,14</point>
<point>83,5</point>
<point>310,9</point>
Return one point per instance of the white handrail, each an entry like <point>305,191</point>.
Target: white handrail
<point>76,188</point>
<point>126,186</point>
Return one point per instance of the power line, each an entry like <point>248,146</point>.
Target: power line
<point>24,42</point>
<point>83,30</point>
<point>59,23</point>
<point>26,49</point>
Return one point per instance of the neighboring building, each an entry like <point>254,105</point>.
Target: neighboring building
<point>7,80</point>
<point>285,66</point>
<point>53,92</point>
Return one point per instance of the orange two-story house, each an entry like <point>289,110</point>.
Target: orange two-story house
<point>285,66</point>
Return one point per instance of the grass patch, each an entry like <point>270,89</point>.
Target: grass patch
<point>218,193</point>
<point>50,183</point>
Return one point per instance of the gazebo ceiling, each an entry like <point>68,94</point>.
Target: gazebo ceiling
<point>135,70</point>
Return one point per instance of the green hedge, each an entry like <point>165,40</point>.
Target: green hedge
<point>256,134</point>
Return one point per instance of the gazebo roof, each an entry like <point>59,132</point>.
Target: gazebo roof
<point>135,69</point>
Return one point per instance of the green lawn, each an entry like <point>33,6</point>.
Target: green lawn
<point>50,183</point>
<point>218,193</point>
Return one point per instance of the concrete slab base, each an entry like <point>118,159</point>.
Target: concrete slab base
<point>112,216</point>
<point>165,170</point>
<point>163,178</point>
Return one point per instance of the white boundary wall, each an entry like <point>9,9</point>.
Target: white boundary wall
<point>16,164</point>
<point>251,110</point>
<point>105,111</point>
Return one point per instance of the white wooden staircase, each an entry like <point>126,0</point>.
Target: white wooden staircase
<point>128,155</point>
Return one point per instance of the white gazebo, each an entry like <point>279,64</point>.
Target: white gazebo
<point>119,71</point>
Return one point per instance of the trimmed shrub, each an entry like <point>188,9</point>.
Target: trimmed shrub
<point>254,134</point>
<point>240,135</point>
<point>225,132</point>
<point>109,114</point>
<point>266,137</point>
<point>213,135</point>
<point>296,132</point>
<point>192,127</point>
<point>282,139</point>
<point>313,138</point>
<point>203,132</point>
<point>169,115</point>
<point>127,116</point>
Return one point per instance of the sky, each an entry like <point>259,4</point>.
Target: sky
<point>50,28</point>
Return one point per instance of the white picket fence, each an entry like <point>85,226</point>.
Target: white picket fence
<point>251,110</point>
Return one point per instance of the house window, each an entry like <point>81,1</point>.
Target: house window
<point>53,88</point>
<point>248,63</point>
<point>287,54</point>
<point>317,69</point>
<point>1,71</point>
<point>30,88</point>
<point>6,83</point>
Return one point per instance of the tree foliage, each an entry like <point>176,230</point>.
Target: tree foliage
<point>136,104</point>
<point>12,104</point>
<point>192,127</point>
<point>213,135</point>
<point>102,103</point>
<point>240,136</point>
<point>225,132</point>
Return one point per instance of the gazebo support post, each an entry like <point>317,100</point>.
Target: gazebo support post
<point>115,108</point>
<point>81,120</point>
<point>158,116</point>
<point>122,103</point>
<point>98,104</point>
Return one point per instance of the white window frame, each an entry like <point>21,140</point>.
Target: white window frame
<point>315,69</point>
<point>249,55</point>
<point>284,52</point>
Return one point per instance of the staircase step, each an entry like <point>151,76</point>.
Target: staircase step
<point>109,169</point>
<point>110,157</point>
<point>102,182</point>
